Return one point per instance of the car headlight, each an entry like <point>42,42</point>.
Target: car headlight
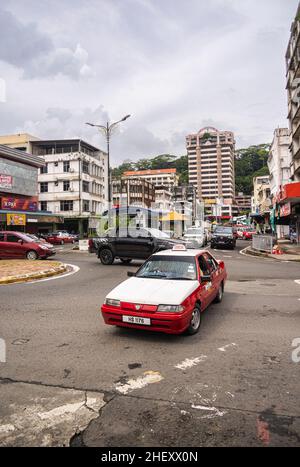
<point>43,247</point>
<point>112,302</point>
<point>170,308</point>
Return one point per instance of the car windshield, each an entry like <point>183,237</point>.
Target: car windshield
<point>223,230</point>
<point>157,233</point>
<point>166,267</point>
<point>27,238</point>
<point>194,232</point>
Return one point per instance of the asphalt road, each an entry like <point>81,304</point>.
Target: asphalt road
<point>232,384</point>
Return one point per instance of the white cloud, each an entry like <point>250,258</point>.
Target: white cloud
<point>173,65</point>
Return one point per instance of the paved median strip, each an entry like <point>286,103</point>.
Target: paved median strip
<point>23,271</point>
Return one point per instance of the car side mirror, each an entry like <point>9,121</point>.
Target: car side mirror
<point>21,241</point>
<point>221,264</point>
<point>131,274</point>
<point>206,278</point>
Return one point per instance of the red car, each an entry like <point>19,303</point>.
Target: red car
<point>248,234</point>
<point>16,245</point>
<point>59,238</point>
<point>168,293</point>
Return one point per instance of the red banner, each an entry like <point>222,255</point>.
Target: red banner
<point>19,204</point>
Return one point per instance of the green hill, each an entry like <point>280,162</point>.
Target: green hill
<point>249,163</point>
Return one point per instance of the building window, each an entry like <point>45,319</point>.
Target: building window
<point>85,167</point>
<point>44,170</point>
<point>43,205</point>
<point>66,205</point>
<point>85,186</point>
<point>66,166</point>
<point>86,206</point>
<point>44,187</point>
<point>66,185</point>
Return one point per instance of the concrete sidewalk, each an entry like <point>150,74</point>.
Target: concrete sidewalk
<point>24,270</point>
<point>283,257</point>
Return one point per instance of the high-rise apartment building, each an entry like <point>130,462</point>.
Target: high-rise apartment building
<point>211,165</point>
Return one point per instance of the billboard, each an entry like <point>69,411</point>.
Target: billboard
<point>16,219</point>
<point>5,181</point>
<point>19,204</point>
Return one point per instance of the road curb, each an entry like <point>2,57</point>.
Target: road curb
<point>34,276</point>
<point>249,252</point>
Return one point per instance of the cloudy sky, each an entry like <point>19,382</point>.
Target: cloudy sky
<point>174,65</point>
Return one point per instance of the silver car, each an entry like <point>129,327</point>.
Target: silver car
<point>195,237</point>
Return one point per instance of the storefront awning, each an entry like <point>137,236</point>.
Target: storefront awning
<point>173,216</point>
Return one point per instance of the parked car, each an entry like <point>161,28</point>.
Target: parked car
<point>195,237</point>
<point>59,238</point>
<point>248,233</point>
<point>168,293</point>
<point>39,240</point>
<point>129,244</point>
<point>16,245</point>
<point>223,237</point>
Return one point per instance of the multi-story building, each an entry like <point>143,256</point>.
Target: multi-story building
<point>73,182</point>
<point>289,199</point>
<point>211,167</point>
<point>261,200</point>
<point>243,202</point>
<point>19,208</point>
<point>160,178</point>
<point>163,200</point>
<point>293,89</point>
<point>133,192</point>
<point>279,160</point>
<point>20,141</point>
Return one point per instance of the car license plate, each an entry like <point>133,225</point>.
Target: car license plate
<point>136,320</point>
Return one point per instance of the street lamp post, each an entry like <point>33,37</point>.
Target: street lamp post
<point>107,130</point>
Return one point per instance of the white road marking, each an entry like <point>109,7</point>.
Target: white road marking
<point>297,281</point>
<point>190,362</point>
<point>149,377</point>
<point>59,411</point>
<point>7,428</point>
<point>75,269</point>
<point>216,412</point>
<point>230,394</point>
<point>223,349</point>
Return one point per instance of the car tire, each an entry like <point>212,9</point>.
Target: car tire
<point>195,322</point>
<point>106,256</point>
<point>220,294</point>
<point>32,255</point>
<point>126,261</point>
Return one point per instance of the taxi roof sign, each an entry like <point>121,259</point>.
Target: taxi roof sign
<point>179,247</point>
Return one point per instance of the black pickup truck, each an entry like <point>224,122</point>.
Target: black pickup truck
<point>136,244</point>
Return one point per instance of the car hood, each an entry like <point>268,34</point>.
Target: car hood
<point>153,291</point>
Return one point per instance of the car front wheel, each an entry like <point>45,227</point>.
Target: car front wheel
<point>32,255</point>
<point>195,322</point>
<point>106,256</point>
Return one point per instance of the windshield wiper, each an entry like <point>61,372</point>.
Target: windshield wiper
<point>153,276</point>
<point>180,279</point>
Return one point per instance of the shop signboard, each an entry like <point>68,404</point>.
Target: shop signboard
<point>19,204</point>
<point>285,210</point>
<point>6,181</point>
<point>16,219</point>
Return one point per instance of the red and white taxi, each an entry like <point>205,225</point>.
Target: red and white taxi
<point>168,293</point>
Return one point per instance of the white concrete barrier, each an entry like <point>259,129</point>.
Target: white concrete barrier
<point>83,245</point>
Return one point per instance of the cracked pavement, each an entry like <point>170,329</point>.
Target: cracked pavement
<point>69,379</point>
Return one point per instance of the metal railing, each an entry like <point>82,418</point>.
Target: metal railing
<point>262,243</point>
